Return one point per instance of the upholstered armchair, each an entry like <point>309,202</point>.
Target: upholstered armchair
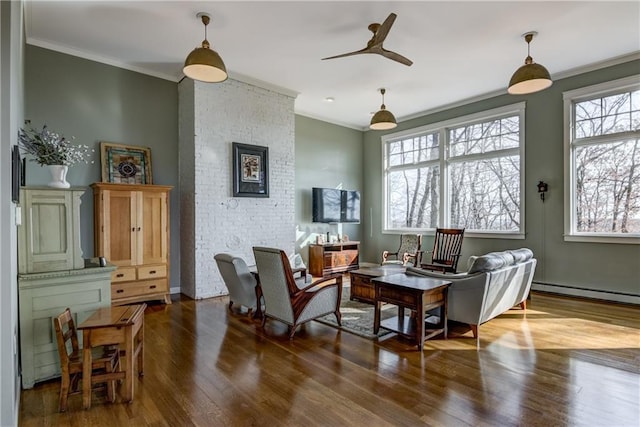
<point>285,301</point>
<point>240,282</point>
<point>409,252</point>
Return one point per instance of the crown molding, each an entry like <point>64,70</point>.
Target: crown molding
<point>557,76</point>
<point>288,92</point>
<point>264,85</point>
<point>596,66</point>
<point>101,59</point>
<point>331,121</point>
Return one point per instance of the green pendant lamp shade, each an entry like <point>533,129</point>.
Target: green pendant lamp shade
<point>203,63</point>
<point>383,119</point>
<point>531,77</point>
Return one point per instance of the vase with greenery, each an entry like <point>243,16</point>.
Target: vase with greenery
<point>53,150</point>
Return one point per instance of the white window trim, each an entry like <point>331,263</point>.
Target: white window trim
<point>442,127</point>
<point>569,97</point>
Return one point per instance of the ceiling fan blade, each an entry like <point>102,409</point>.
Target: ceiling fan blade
<point>382,32</point>
<point>396,57</point>
<point>357,52</point>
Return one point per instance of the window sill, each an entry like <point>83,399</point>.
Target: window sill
<point>626,240</point>
<point>475,234</point>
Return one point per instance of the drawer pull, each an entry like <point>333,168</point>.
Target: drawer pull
<point>120,275</point>
<point>133,229</point>
<point>119,291</point>
<point>152,272</point>
<point>152,287</point>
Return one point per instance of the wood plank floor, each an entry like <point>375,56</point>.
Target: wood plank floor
<point>564,362</point>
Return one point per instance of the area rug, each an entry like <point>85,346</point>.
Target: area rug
<point>357,317</point>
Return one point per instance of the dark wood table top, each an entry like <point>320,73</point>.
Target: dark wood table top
<point>381,270</point>
<point>411,281</point>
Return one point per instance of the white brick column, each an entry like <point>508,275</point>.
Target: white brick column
<point>211,117</point>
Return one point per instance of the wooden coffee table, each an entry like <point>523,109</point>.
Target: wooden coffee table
<point>416,293</point>
<point>361,287</point>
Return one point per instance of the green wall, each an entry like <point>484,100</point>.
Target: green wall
<point>96,102</point>
<point>593,266</point>
<point>327,156</point>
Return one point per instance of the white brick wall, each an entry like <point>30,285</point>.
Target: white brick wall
<point>212,116</point>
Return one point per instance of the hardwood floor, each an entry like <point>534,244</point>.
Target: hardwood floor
<point>563,362</point>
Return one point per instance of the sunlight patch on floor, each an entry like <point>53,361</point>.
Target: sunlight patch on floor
<point>523,331</point>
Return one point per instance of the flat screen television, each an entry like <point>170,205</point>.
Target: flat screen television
<point>331,205</point>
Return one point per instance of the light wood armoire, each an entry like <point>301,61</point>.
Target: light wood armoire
<point>131,230</point>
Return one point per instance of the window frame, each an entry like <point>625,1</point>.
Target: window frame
<point>444,162</point>
<point>570,98</point>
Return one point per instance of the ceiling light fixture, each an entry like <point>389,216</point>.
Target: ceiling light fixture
<point>530,77</point>
<point>383,119</point>
<point>203,63</point>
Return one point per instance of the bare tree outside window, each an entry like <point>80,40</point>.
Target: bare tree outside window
<point>606,164</point>
<point>485,190</point>
<point>481,172</point>
<point>413,182</point>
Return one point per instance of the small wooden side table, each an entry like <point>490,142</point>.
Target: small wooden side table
<point>122,326</point>
<point>416,293</point>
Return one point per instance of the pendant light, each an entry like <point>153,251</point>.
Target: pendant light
<point>383,119</point>
<point>531,77</point>
<point>203,63</point>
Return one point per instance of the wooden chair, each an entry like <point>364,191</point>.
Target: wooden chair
<point>446,250</point>
<point>409,251</point>
<point>291,302</point>
<point>105,365</point>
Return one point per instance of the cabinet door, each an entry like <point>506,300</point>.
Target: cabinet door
<point>48,237</point>
<point>119,227</point>
<point>153,223</point>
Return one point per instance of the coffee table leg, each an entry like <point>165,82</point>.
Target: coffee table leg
<point>376,317</point>
<point>420,322</point>
<point>444,312</point>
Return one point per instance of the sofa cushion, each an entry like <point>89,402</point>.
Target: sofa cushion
<point>491,261</point>
<point>522,254</point>
<point>496,260</point>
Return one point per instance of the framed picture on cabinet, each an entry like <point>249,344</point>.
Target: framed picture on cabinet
<point>250,170</point>
<point>125,164</point>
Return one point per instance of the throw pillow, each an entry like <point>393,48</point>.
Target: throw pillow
<point>522,254</point>
<point>295,261</point>
<point>491,261</point>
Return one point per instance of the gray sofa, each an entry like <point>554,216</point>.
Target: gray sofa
<point>493,284</point>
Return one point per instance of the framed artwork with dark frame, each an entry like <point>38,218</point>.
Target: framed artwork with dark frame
<point>250,170</point>
<point>16,174</point>
<point>125,164</point>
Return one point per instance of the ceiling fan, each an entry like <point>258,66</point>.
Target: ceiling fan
<point>374,45</point>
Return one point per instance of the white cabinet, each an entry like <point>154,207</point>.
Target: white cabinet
<point>43,296</point>
<point>53,276</point>
<point>49,237</point>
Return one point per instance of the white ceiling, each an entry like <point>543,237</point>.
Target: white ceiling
<point>460,50</point>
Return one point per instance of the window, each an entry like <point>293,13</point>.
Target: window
<point>602,151</point>
<point>465,172</point>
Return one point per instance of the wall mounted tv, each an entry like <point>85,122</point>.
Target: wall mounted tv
<point>331,205</point>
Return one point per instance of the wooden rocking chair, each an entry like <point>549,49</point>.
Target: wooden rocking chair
<point>446,250</point>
